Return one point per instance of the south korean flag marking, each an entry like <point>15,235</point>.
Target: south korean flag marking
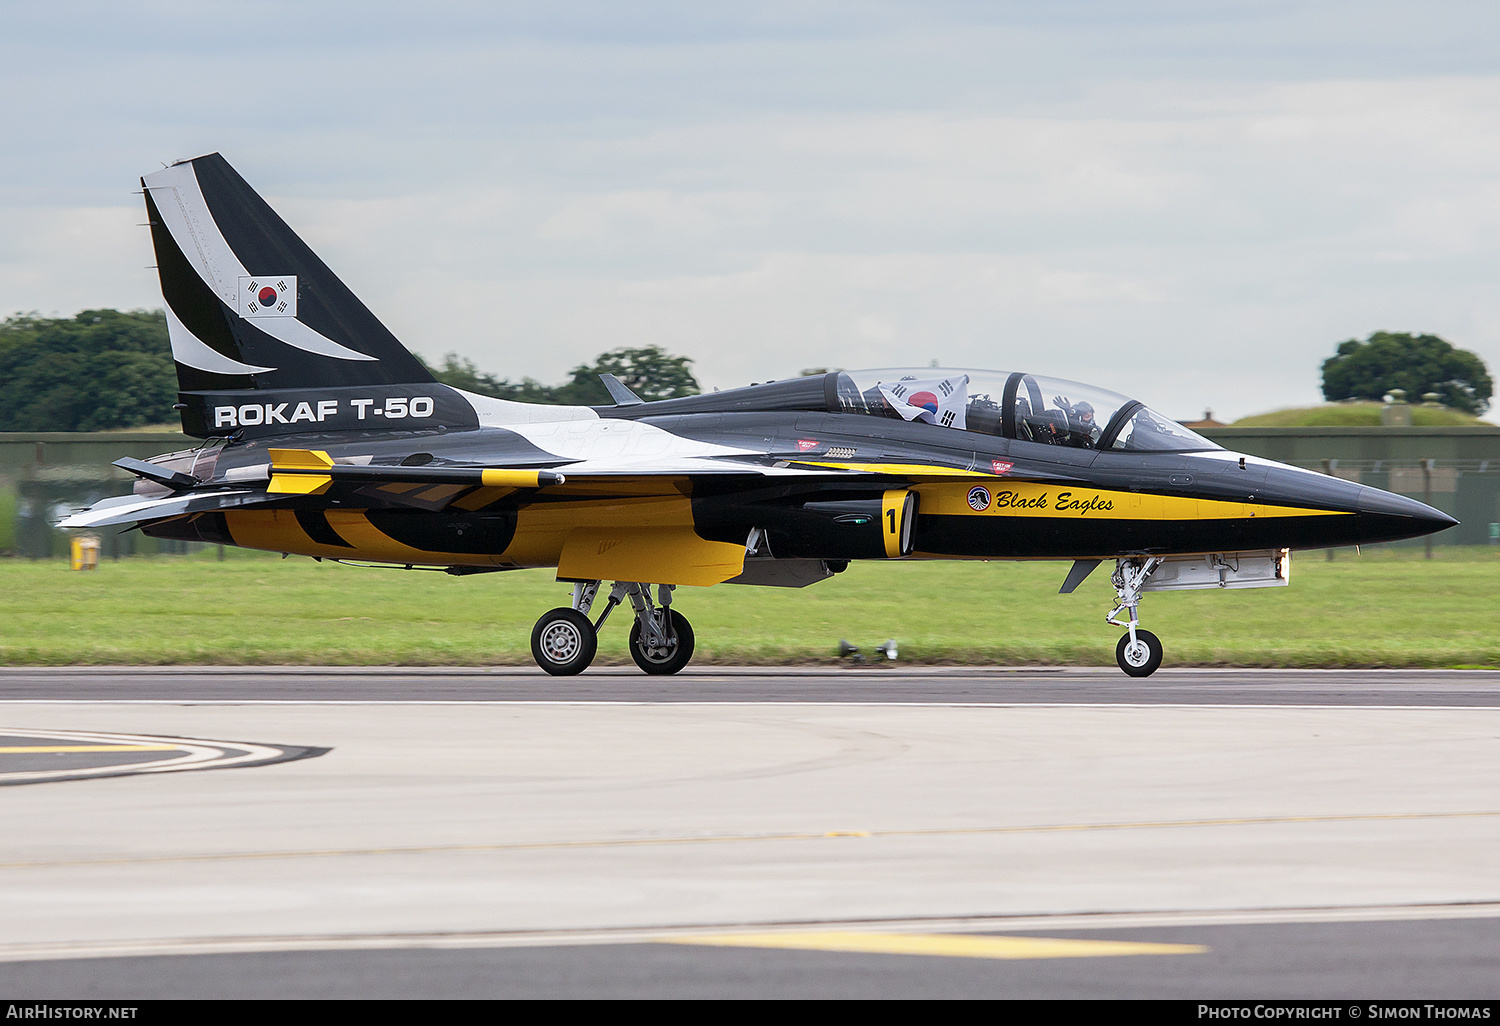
<point>940,401</point>
<point>272,295</point>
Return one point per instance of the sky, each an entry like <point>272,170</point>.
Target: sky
<point>1191,203</point>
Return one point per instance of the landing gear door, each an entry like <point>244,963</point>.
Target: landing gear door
<point>898,519</point>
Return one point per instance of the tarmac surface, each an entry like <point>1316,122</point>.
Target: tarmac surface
<point>879,682</point>
<point>938,832</point>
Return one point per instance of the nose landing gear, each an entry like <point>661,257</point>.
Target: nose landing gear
<point>564,640</point>
<point>1139,651</point>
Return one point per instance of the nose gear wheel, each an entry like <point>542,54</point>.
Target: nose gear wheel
<point>1139,657</point>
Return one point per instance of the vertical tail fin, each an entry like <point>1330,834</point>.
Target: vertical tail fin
<point>249,304</point>
<point>266,338</point>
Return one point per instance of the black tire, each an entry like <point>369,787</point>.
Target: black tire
<point>1143,660</point>
<point>563,642</point>
<point>663,660</point>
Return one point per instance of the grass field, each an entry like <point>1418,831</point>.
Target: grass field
<point>1382,608</point>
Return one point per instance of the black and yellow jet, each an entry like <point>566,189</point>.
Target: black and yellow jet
<point>323,436</point>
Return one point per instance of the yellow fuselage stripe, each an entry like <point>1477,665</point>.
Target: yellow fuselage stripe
<point>1034,499</point>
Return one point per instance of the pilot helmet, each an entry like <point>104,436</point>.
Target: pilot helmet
<point>1083,411</point>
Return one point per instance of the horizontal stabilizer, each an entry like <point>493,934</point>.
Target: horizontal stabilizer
<point>132,509</point>
<point>173,479</point>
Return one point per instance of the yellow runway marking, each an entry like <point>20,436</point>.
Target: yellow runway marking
<point>942,945</point>
<point>34,749</point>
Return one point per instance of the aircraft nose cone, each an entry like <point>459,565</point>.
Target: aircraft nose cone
<point>1386,516</point>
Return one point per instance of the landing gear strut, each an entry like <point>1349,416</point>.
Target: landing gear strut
<point>1139,651</point>
<point>564,640</point>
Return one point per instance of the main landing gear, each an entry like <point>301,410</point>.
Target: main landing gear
<point>1139,651</point>
<point>564,640</point>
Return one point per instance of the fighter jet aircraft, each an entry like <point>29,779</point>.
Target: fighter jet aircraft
<point>324,437</point>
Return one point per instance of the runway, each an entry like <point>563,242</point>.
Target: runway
<point>880,683</point>
<point>939,832</point>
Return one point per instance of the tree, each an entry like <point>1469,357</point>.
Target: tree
<point>1416,363</point>
<point>105,369</point>
<point>99,369</point>
<point>651,373</point>
<point>461,373</point>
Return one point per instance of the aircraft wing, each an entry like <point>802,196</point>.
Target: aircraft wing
<point>295,472</point>
<point>766,467</point>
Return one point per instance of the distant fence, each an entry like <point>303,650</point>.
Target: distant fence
<point>1456,469</point>
<point>43,476</point>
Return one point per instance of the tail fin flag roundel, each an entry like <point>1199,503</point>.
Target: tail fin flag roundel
<point>249,306</point>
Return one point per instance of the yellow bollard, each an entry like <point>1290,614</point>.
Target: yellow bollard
<point>85,552</point>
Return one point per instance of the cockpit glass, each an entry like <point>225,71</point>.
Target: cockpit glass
<point>1058,412</point>
<point>1149,431</point>
<point>966,400</point>
<point>1028,407</point>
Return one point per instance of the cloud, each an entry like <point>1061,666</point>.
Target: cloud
<point>66,259</point>
<point>1189,203</point>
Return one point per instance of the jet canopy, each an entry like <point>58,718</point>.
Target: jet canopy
<point>1027,407</point>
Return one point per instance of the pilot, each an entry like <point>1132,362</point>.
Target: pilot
<point>1083,431</point>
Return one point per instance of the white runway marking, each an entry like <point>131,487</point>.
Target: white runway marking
<point>192,754</point>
